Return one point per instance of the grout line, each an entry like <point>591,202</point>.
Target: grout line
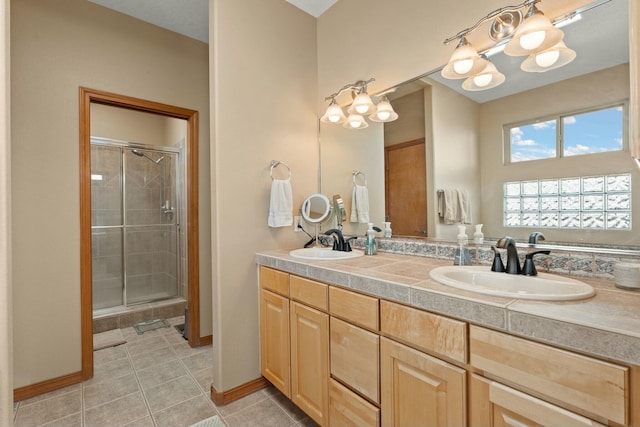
<point>144,396</point>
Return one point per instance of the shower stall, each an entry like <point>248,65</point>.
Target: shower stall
<point>135,223</point>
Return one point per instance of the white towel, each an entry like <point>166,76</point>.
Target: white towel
<point>464,207</point>
<point>454,206</point>
<point>360,204</point>
<point>281,205</point>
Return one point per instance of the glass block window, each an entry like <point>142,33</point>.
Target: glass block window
<point>571,134</point>
<point>593,202</point>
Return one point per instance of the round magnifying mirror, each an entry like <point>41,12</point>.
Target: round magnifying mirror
<point>316,208</point>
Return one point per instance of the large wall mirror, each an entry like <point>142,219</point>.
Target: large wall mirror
<point>462,135</point>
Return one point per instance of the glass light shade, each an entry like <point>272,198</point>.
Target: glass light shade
<point>334,114</point>
<point>537,63</point>
<point>489,78</point>
<point>355,121</point>
<point>547,58</point>
<point>362,105</point>
<point>464,62</point>
<point>535,34</point>
<point>384,112</point>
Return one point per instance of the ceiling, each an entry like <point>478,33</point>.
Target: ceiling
<point>190,17</point>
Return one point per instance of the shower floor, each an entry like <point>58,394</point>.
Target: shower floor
<point>106,319</point>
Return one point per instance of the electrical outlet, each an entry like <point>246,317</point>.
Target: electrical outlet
<point>296,222</point>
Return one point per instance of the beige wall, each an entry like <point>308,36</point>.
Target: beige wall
<point>346,150</point>
<point>6,330</point>
<point>136,126</point>
<point>263,108</point>
<point>57,47</point>
<point>454,128</point>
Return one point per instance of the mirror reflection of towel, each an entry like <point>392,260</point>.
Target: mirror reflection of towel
<point>360,204</point>
<point>281,205</point>
<point>454,206</point>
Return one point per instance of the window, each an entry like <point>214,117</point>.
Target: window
<point>579,133</point>
<point>594,202</point>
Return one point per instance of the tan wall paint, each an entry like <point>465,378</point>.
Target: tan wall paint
<point>263,108</point>
<point>6,330</point>
<point>344,151</point>
<point>456,162</point>
<point>135,126</point>
<point>57,47</point>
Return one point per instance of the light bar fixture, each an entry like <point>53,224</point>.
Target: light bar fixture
<point>361,106</point>
<point>533,36</point>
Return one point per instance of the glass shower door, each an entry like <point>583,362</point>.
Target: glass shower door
<point>106,226</point>
<point>150,225</point>
<point>134,225</point>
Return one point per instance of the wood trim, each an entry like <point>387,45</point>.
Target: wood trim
<point>225,397</point>
<point>634,396</point>
<point>88,96</point>
<point>43,387</point>
<point>404,144</point>
<point>208,340</point>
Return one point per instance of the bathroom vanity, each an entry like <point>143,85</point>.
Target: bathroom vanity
<point>372,341</point>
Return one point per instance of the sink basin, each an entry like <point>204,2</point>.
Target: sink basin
<point>481,279</point>
<point>322,254</point>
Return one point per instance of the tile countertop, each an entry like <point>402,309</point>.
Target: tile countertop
<point>606,325</point>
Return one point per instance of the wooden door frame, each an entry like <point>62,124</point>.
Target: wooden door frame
<point>87,97</point>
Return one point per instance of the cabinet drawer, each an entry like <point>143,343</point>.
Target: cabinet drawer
<point>274,280</point>
<point>309,292</point>
<point>356,308</point>
<point>347,409</point>
<point>581,382</point>
<point>355,358</point>
<point>499,405</point>
<point>424,330</point>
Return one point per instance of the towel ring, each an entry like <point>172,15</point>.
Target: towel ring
<point>275,163</point>
<point>355,175</point>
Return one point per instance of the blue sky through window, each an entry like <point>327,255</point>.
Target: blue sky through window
<point>587,133</point>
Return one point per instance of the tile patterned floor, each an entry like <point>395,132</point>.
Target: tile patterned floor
<point>155,379</point>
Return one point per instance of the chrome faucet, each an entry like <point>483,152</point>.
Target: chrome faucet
<point>513,262</point>
<point>535,237</point>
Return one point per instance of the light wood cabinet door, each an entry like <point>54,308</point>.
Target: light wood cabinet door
<point>418,389</point>
<point>310,361</point>
<point>495,405</point>
<point>274,340</point>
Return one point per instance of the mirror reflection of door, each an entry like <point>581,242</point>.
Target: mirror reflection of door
<point>405,187</point>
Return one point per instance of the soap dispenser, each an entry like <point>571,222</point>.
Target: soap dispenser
<point>370,246</point>
<point>462,255</point>
<point>478,237</point>
<point>387,230</point>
